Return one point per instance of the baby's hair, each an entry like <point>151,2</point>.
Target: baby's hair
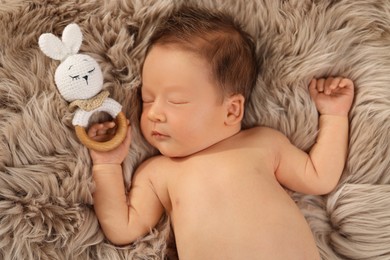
<point>217,38</point>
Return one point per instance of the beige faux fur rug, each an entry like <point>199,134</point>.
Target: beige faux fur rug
<point>45,182</point>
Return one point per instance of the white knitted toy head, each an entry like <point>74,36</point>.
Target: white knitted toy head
<point>78,76</point>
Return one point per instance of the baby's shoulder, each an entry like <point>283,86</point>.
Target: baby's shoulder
<point>154,164</point>
<point>263,133</point>
<point>264,138</point>
<point>153,170</point>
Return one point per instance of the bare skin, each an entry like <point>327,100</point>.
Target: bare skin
<point>222,187</point>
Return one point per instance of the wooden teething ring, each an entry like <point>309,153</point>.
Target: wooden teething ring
<point>109,145</point>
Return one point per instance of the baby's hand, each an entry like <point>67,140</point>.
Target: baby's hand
<point>104,132</point>
<point>332,96</point>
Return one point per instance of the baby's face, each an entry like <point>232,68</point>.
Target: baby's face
<point>182,113</point>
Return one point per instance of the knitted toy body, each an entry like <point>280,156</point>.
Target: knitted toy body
<point>81,117</point>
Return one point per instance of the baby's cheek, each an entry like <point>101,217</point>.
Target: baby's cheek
<point>143,124</point>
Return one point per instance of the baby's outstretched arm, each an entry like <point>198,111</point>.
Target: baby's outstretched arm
<point>122,219</point>
<point>319,171</point>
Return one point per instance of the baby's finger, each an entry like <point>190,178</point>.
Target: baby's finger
<point>320,85</point>
<point>345,83</point>
<point>335,83</point>
<point>328,83</point>
<point>100,129</point>
<point>108,125</point>
<point>313,88</point>
<point>107,128</point>
<point>93,130</point>
<point>102,132</point>
<point>332,84</point>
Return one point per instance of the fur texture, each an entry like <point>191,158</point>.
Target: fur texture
<point>45,182</point>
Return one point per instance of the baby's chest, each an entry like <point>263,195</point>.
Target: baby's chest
<point>210,179</point>
<point>228,185</point>
<point>241,201</point>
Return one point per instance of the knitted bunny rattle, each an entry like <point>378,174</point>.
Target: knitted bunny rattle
<point>79,80</point>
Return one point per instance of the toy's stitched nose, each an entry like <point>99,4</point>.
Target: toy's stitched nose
<point>86,78</point>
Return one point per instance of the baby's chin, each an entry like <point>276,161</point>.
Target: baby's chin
<point>171,153</point>
<point>182,151</point>
<point>175,154</point>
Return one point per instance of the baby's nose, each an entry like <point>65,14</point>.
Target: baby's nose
<point>155,114</point>
<point>156,117</point>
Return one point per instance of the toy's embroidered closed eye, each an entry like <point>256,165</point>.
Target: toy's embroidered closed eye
<point>76,77</point>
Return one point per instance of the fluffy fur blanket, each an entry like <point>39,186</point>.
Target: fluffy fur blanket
<point>45,182</point>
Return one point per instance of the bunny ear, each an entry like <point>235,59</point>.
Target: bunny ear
<point>72,37</point>
<point>52,46</point>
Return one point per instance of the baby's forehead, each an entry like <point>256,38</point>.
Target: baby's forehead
<point>145,88</point>
<point>193,56</point>
<point>189,48</point>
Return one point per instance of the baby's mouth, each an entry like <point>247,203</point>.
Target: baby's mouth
<point>159,135</point>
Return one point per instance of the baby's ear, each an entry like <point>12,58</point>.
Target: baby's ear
<point>234,109</point>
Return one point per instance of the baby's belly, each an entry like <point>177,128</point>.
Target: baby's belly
<point>246,216</point>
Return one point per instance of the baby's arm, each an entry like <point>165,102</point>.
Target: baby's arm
<point>122,221</point>
<point>319,171</point>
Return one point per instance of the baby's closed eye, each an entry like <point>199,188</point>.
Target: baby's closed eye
<point>178,102</point>
<point>177,99</point>
<point>147,100</point>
